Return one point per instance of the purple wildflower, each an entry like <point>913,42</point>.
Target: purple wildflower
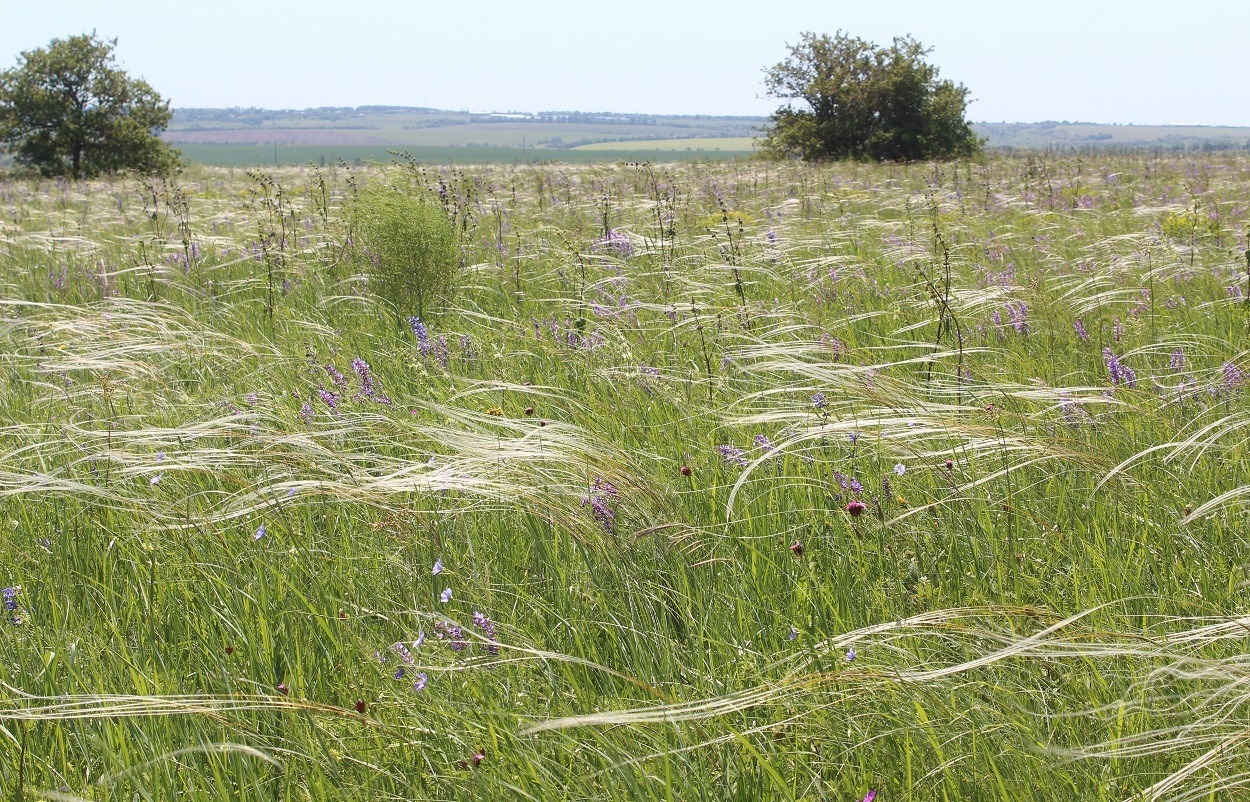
<point>763,443</point>
<point>419,329</point>
<point>900,469</point>
<point>1177,362</point>
<point>615,243</point>
<point>602,500</point>
<point>331,400</point>
<point>1018,314</point>
<point>856,486</point>
<point>818,400</point>
<point>339,379</point>
<point>1232,377</point>
<point>488,630</point>
<point>445,596</point>
<point>361,369</point>
<point>1079,325</point>
<point>1121,375</point>
<point>10,598</point>
<point>732,455</point>
<point>259,533</point>
<point>306,412</point>
<point>421,681</point>
<point>441,354</point>
<point>438,567</point>
<point>404,654</point>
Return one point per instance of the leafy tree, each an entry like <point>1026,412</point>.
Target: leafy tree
<point>68,110</point>
<point>860,101</point>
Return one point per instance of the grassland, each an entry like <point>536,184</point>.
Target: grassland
<point>715,481</point>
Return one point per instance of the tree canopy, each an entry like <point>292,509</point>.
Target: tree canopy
<point>68,110</point>
<point>861,101</point>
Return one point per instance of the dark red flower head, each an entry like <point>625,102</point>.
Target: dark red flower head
<point>856,508</point>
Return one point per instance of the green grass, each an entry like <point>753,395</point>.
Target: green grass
<point>643,464</point>
<point>744,144</point>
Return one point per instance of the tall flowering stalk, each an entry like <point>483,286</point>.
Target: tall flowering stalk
<point>1121,375</point>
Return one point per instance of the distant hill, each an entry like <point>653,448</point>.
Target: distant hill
<point>1082,135</point>
<point>243,136</point>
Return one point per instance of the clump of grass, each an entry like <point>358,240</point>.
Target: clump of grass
<point>409,245</point>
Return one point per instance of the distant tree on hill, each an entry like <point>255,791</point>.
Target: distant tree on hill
<point>67,110</point>
<point>860,101</point>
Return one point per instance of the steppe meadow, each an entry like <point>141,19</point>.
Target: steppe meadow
<point>711,481</point>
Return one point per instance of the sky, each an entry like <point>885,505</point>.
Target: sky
<point>1148,62</point>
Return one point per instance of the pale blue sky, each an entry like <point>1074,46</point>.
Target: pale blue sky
<point>1145,62</point>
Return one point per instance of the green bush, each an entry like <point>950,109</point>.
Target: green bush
<point>409,245</point>
<point>1189,225</point>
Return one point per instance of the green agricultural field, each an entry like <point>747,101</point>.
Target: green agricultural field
<point>740,144</point>
<point>711,481</point>
<point>301,155</point>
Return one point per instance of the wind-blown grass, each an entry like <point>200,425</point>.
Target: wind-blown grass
<point>716,482</point>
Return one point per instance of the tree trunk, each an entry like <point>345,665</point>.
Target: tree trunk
<point>76,154</point>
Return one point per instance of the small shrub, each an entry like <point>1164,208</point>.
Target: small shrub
<point>1189,225</point>
<point>409,246</point>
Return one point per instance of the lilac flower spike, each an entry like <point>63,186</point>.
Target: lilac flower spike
<point>732,455</point>
<point>1120,375</point>
<point>870,796</point>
